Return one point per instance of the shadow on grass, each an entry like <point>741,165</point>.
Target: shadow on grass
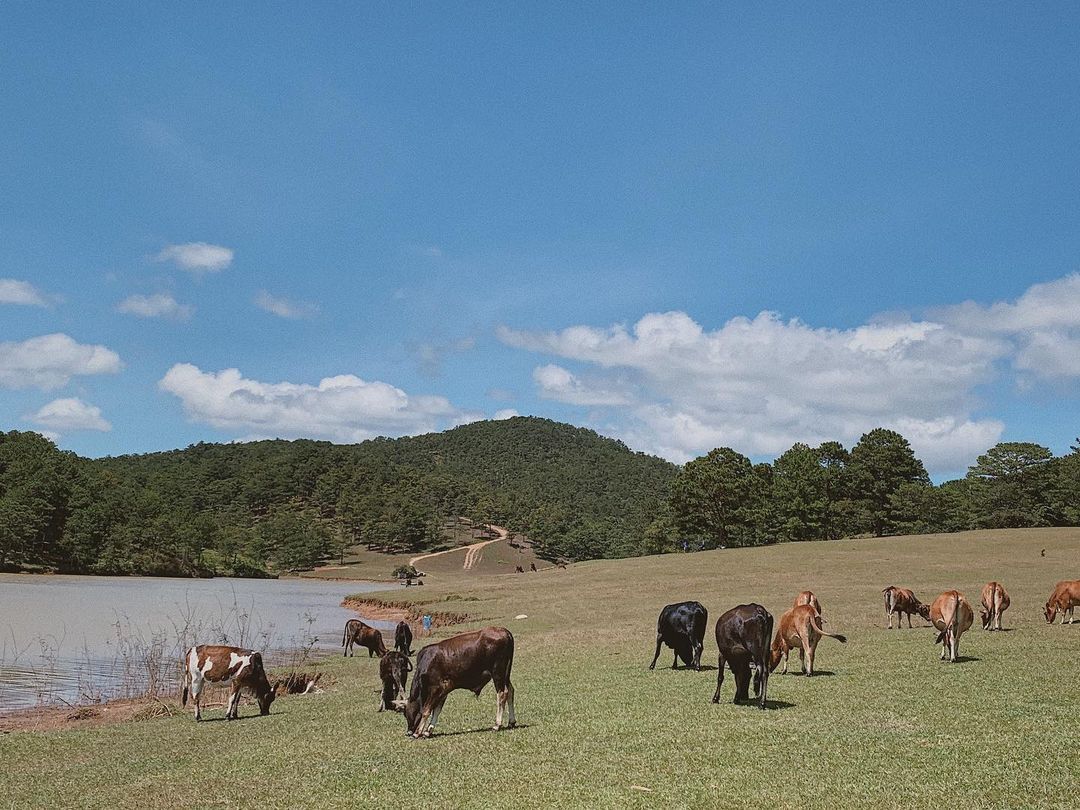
<point>770,705</point>
<point>822,672</point>
<point>238,719</point>
<point>704,668</point>
<point>487,730</point>
<point>963,659</point>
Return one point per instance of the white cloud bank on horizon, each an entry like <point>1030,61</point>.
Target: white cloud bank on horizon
<point>344,408</point>
<point>66,415</point>
<point>197,257</point>
<point>159,305</point>
<point>284,308</point>
<point>21,293</point>
<point>50,361</point>
<point>668,386</point>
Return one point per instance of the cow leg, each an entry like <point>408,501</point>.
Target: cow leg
<point>908,622</point>
<point>233,703</point>
<point>659,641</point>
<point>810,650</point>
<point>742,681</point>
<point>196,693</point>
<point>802,658</point>
<point>787,652</point>
<point>433,718</point>
<point>719,678</point>
<point>764,696</point>
<point>698,649</point>
<point>509,702</point>
<point>675,661</point>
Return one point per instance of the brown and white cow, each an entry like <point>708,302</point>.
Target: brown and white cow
<point>902,600</point>
<point>467,661</point>
<point>808,598</point>
<point>995,600</point>
<point>1065,598</point>
<point>952,615</point>
<point>800,628</point>
<point>216,663</point>
<point>363,635</point>
<point>394,669</point>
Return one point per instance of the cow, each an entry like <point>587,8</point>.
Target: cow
<point>1066,597</point>
<point>743,634</point>
<point>952,616</point>
<point>520,570</point>
<point>466,661</point>
<point>403,638</point>
<point>216,663</point>
<point>995,600</point>
<point>532,567</point>
<point>808,598</point>
<point>902,600</point>
<point>356,632</point>
<point>799,628</point>
<point>394,669</point>
<point>682,627</point>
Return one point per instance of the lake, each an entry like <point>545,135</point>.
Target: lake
<point>78,639</point>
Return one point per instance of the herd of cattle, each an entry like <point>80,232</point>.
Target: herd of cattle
<point>472,660</point>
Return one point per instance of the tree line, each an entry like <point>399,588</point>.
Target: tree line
<point>257,508</point>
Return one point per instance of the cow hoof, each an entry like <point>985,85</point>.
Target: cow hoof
<point>496,728</point>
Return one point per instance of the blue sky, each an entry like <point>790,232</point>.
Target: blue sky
<point>684,227</point>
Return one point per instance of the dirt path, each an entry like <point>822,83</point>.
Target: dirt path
<point>473,553</point>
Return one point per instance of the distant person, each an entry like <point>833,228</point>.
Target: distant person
<point>426,621</point>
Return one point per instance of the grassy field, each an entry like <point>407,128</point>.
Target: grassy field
<point>883,724</point>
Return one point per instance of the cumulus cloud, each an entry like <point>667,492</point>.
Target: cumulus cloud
<point>65,415</point>
<point>284,308</point>
<point>13,291</point>
<point>505,413</point>
<point>343,408</point>
<point>50,361</point>
<point>197,257</point>
<point>159,305</point>
<point>761,384</point>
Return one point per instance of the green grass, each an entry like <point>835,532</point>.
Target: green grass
<point>891,726</point>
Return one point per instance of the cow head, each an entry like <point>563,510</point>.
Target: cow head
<point>774,658</point>
<point>1050,611</point>
<point>412,716</point>
<point>266,696</point>
<point>922,610</point>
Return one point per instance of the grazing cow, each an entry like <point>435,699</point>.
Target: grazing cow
<point>808,598</point>
<point>520,570</point>
<point>995,600</point>
<point>902,600</point>
<point>1066,597</point>
<point>532,566</point>
<point>403,638</point>
<point>356,632</point>
<point>682,627</point>
<point>217,663</point>
<point>743,634</point>
<point>467,661</point>
<point>394,669</point>
<point>799,628</point>
<point>952,615</point>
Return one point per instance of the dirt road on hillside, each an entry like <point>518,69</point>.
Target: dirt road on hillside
<point>473,553</point>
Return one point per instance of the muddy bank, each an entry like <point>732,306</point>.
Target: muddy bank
<point>384,611</point>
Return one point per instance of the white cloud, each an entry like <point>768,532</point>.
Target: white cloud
<point>65,415</point>
<point>343,408</point>
<point>159,305</point>
<point>284,308</point>
<point>505,413</point>
<point>760,385</point>
<point>197,257</point>
<point>13,291</point>
<point>50,361</point>
<point>430,356</point>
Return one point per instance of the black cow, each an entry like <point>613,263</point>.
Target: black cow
<point>743,635</point>
<point>394,669</point>
<point>403,638</point>
<point>467,661</point>
<point>682,627</point>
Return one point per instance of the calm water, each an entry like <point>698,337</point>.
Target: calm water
<point>74,639</point>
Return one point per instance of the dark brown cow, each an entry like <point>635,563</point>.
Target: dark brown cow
<point>467,661</point>
<point>215,663</point>
<point>808,598</point>
<point>394,669</point>
<point>364,635</point>
<point>995,600</point>
<point>902,600</point>
<point>953,616</point>
<point>1065,598</point>
<point>799,628</point>
<point>403,638</point>
<point>743,635</point>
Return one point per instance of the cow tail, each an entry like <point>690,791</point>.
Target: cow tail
<point>186,680</point>
<point>766,648</point>
<point>814,623</point>
<point>345,633</point>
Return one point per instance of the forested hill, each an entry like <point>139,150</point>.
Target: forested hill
<point>270,505</point>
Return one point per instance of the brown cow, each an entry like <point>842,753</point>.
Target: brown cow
<point>467,661</point>
<point>902,600</point>
<point>364,635</point>
<point>1066,597</point>
<point>953,616</point>
<point>808,598</point>
<point>394,669</point>
<point>742,635</point>
<point>799,628</point>
<point>217,663</point>
<point>995,600</point>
